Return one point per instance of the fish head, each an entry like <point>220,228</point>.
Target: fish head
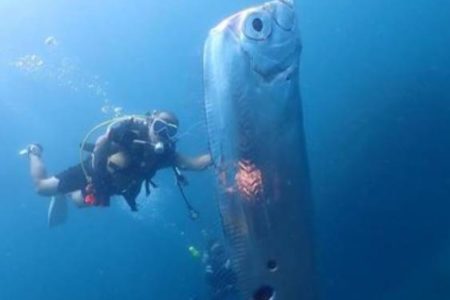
<point>268,37</point>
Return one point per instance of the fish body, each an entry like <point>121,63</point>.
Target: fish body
<point>257,142</point>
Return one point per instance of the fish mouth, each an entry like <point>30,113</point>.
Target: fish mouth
<point>270,69</point>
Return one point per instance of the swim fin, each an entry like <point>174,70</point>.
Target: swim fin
<point>57,211</point>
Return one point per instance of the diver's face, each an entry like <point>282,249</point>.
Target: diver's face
<point>162,130</point>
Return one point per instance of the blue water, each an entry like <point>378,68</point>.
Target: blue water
<point>375,83</point>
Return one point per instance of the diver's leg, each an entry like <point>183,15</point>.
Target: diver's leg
<point>45,186</point>
<point>49,186</point>
<point>69,182</point>
<point>72,182</point>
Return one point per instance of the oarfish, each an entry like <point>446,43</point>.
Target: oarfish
<point>257,141</point>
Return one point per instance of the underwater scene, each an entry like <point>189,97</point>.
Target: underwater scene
<point>225,150</point>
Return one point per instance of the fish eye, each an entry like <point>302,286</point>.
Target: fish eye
<point>257,26</point>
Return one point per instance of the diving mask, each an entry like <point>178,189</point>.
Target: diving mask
<point>164,129</point>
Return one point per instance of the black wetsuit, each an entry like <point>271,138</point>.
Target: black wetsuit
<point>128,136</point>
<point>73,178</point>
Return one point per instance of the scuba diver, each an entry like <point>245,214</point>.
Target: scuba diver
<point>219,275</point>
<point>124,158</point>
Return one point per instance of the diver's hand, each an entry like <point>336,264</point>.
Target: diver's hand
<point>198,163</point>
<point>205,160</point>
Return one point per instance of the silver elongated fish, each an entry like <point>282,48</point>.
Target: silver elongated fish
<point>255,128</point>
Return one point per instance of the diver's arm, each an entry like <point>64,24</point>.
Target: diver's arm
<point>101,150</point>
<point>197,163</point>
<point>115,134</point>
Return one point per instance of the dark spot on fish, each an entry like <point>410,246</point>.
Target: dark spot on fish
<point>272,265</point>
<point>257,24</point>
<point>265,292</point>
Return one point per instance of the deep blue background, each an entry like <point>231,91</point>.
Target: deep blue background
<point>375,78</point>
